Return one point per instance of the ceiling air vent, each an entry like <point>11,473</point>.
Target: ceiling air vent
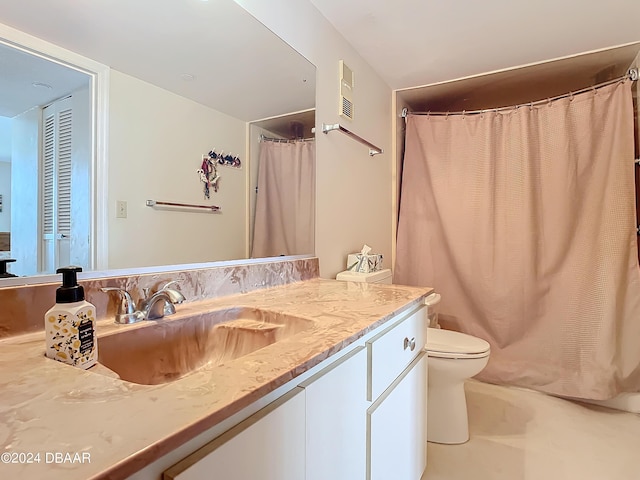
<point>346,91</point>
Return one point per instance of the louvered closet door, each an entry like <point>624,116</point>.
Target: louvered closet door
<point>56,185</point>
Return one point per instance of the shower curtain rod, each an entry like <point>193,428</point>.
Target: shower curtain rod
<point>285,140</point>
<point>632,75</point>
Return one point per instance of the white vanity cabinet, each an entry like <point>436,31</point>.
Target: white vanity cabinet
<point>336,421</point>
<point>362,415</point>
<point>397,386</point>
<point>269,445</point>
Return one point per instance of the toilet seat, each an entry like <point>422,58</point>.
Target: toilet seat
<point>450,344</point>
<point>432,354</point>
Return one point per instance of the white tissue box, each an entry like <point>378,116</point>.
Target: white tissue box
<point>357,262</point>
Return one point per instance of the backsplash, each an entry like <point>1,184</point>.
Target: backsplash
<point>22,308</point>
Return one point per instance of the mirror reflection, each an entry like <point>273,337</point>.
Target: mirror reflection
<point>45,163</point>
<point>242,110</point>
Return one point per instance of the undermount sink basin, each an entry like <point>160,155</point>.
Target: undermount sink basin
<point>165,351</point>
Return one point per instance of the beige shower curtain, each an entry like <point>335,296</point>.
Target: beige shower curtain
<point>285,205</point>
<point>524,221</point>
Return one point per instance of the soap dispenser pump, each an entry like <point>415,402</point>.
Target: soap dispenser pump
<point>70,324</point>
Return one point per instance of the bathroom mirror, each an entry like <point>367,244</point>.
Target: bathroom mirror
<point>184,78</point>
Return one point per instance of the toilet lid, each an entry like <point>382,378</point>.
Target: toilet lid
<point>450,342</point>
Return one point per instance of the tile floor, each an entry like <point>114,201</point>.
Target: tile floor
<point>518,434</point>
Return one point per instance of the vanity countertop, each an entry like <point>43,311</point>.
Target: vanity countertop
<point>48,407</point>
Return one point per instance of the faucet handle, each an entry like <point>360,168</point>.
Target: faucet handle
<point>126,311</point>
<point>169,284</point>
<point>175,295</point>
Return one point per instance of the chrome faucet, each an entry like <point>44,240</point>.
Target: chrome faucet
<point>157,306</point>
<point>152,307</point>
<point>126,311</point>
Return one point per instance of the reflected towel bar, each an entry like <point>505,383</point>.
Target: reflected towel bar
<point>212,208</point>
<point>373,150</point>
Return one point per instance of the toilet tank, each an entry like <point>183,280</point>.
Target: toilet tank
<point>432,302</point>
<point>381,276</point>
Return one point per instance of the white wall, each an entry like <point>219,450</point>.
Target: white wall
<point>25,192</point>
<point>5,139</point>
<point>156,143</point>
<point>5,191</point>
<point>81,164</point>
<point>5,173</point>
<point>354,191</point>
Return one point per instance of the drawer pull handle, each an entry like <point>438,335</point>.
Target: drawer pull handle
<point>410,344</point>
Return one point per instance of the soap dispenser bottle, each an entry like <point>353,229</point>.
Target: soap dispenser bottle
<point>70,324</point>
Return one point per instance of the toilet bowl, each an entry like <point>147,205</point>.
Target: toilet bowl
<point>453,358</point>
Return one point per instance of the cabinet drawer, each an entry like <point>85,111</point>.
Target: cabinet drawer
<point>392,350</point>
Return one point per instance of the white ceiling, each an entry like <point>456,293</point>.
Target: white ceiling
<point>408,42</point>
<point>419,42</point>
<point>240,67</point>
<point>27,81</point>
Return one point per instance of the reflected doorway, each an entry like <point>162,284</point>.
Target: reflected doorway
<point>45,163</point>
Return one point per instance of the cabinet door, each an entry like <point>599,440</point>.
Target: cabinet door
<point>269,445</point>
<point>396,427</point>
<point>336,419</point>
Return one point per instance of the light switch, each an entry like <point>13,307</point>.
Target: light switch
<point>121,209</point>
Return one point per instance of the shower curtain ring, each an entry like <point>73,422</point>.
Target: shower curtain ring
<point>571,96</point>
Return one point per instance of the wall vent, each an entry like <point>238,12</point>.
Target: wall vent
<point>346,91</point>
<point>347,108</point>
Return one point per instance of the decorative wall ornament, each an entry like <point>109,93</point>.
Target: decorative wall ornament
<point>228,160</point>
<point>208,175</point>
<point>208,170</point>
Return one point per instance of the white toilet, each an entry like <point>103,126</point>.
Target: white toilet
<point>453,358</point>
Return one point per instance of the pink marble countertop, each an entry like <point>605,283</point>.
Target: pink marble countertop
<point>46,406</point>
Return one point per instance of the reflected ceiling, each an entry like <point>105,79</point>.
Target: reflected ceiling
<point>28,80</point>
<point>194,53</point>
